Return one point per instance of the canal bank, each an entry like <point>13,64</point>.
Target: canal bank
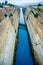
<point>35,36</point>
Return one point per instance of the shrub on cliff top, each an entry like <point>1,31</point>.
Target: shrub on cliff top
<point>10,15</point>
<point>24,9</point>
<point>5,15</point>
<point>0,20</point>
<point>39,9</point>
<point>36,15</point>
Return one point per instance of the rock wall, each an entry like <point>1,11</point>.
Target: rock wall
<point>7,40</point>
<point>35,39</point>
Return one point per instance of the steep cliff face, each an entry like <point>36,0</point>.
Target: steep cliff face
<point>35,29</point>
<point>8,33</point>
<point>6,27</point>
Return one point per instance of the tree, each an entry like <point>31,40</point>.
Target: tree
<point>11,5</point>
<point>6,2</point>
<point>39,4</point>
<point>2,3</point>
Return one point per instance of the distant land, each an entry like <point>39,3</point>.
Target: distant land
<point>27,4</point>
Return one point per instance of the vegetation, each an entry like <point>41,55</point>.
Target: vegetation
<point>32,11</point>
<point>0,20</point>
<point>5,15</point>
<point>24,9</point>
<point>27,17</point>
<point>11,5</point>
<point>39,4</point>
<point>39,9</point>
<point>1,5</point>
<point>10,15</point>
<point>14,10</point>
<point>6,2</point>
<point>35,14</point>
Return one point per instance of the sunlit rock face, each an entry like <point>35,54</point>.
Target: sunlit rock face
<point>5,27</point>
<point>35,29</point>
<point>2,12</point>
<point>13,14</point>
<point>8,33</point>
<point>38,20</point>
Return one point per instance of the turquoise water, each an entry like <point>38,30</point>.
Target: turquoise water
<point>23,53</point>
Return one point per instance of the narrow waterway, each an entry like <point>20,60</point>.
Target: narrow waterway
<point>23,53</point>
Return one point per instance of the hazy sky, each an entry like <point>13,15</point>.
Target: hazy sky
<point>18,2</point>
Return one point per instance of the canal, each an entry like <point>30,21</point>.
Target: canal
<point>23,52</point>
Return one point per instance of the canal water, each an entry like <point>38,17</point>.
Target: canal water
<point>23,53</point>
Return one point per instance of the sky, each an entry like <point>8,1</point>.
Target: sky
<point>19,2</point>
